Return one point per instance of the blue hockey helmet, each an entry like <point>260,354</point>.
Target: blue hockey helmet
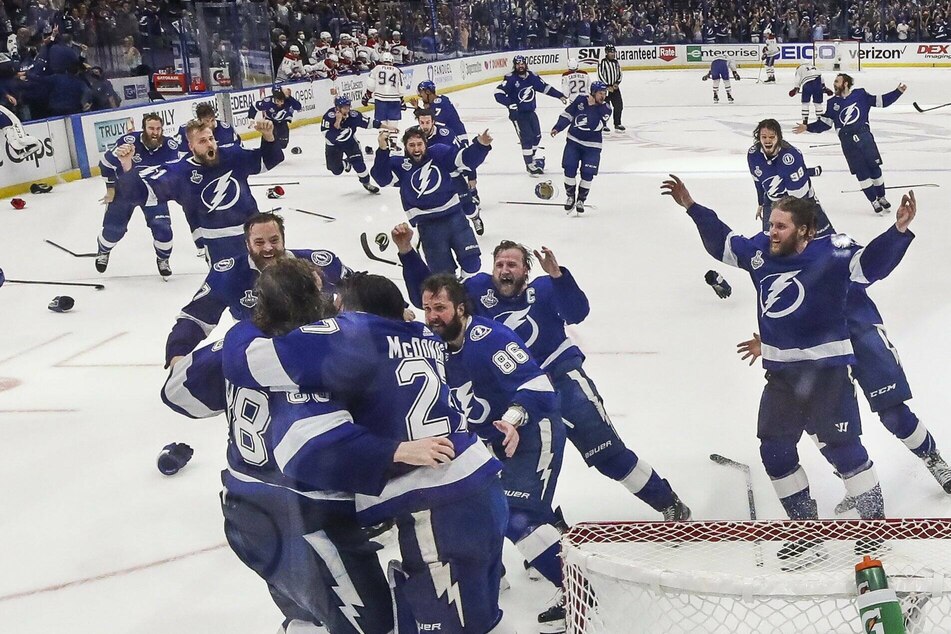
<point>519,59</point>
<point>341,101</point>
<point>598,86</point>
<point>426,85</point>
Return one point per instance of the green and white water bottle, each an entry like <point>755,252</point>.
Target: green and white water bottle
<point>878,604</point>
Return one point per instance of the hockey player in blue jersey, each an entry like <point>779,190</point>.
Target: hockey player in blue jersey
<point>438,134</point>
<point>211,185</point>
<point>779,170</point>
<point>279,108</point>
<point>230,283</point>
<point>450,514</point>
<point>586,118</point>
<point>517,93</point>
<point>225,135</point>
<point>848,113</point>
<point>430,195</point>
<point>446,114</point>
<point>720,68</point>
<point>538,312</point>
<point>507,397</point>
<point>340,125</point>
<point>810,86</point>
<point>147,150</point>
<point>286,518</point>
<point>802,284</point>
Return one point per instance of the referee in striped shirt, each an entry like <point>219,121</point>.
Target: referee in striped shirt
<point>609,71</point>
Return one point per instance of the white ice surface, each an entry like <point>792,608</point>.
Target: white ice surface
<point>87,520</point>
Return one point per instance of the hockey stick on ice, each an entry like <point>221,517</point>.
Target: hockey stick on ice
<point>745,469</point>
<point>541,204</point>
<point>272,184</point>
<point>920,109</point>
<point>98,287</point>
<point>311,213</point>
<point>823,145</point>
<point>856,191</point>
<point>365,243</point>
<point>72,253</point>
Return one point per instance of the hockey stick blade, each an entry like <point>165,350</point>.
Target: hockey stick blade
<point>312,213</point>
<point>365,243</point>
<point>72,253</point>
<point>98,287</point>
<point>856,191</point>
<point>920,109</point>
<point>727,462</point>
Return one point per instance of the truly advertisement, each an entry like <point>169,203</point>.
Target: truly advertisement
<point>109,131</point>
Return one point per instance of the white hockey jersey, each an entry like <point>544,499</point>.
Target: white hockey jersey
<point>290,69</point>
<point>575,83</point>
<point>386,83</point>
<point>400,53</point>
<point>806,73</point>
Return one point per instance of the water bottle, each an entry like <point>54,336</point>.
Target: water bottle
<point>878,605</point>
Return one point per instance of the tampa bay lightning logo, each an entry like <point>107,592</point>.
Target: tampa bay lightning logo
<point>781,294</point>
<point>476,409</point>
<point>345,135</point>
<point>526,94</point>
<point>222,193</point>
<point>774,187</point>
<point>581,123</point>
<point>522,323</point>
<point>850,114</point>
<point>426,180</point>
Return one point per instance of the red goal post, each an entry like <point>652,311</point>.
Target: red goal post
<point>725,576</point>
<point>837,55</point>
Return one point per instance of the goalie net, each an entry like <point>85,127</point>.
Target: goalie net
<point>725,577</point>
<point>837,55</point>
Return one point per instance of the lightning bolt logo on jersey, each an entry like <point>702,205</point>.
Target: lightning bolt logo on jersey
<point>526,94</point>
<point>781,294</point>
<point>221,194</point>
<point>522,323</point>
<point>475,409</point>
<point>784,174</point>
<point>346,135</point>
<point>426,179</point>
<point>520,91</point>
<point>584,121</point>
<point>850,114</point>
<point>846,114</point>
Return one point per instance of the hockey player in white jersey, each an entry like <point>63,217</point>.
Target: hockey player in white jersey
<point>400,52</point>
<point>574,82</point>
<point>291,67</point>
<point>385,86</point>
<point>770,55</point>
<point>810,85</point>
<point>322,49</point>
<point>720,68</point>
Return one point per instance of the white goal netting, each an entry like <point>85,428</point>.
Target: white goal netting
<point>725,577</point>
<point>837,55</point>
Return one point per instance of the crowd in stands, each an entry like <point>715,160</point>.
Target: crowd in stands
<point>56,54</point>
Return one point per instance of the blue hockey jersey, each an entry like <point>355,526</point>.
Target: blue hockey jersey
<point>348,127</point>
<point>230,286</point>
<point>849,114</point>
<point>538,315</point>
<point>584,121</point>
<point>391,377</point>
<point>802,297</point>
<point>283,439</point>
<point>427,189</point>
<point>225,136</point>
<point>446,114</point>
<point>493,370</point>
<point>273,112</point>
<point>169,150</point>
<point>519,91</point>
<point>217,200</point>
<point>783,175</point>
<point>442,135</point>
